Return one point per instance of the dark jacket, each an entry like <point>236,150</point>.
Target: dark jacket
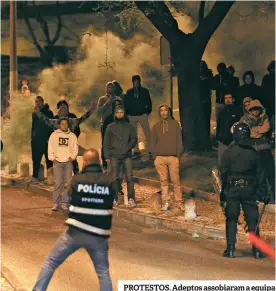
<point>166,138</point>
<point>138,102</point>
<point>40,131</point>
<point>119,139</point>
<point>234,84</point>
<point>229,115</point>
<point>241,161</point>
<point>92,196</point>
<point>268,88</point>
<point>252,90</point>
<point>222,86</point>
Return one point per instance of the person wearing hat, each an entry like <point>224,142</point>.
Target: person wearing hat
<point>138,106</point>
<point>243,181</point>
<point>259,124</point>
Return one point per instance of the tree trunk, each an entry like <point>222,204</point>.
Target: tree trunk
<point>195,136</point>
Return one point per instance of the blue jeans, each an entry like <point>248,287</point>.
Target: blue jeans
<point>62,176</point>
<point>127,169</point>
<point>69,242</point>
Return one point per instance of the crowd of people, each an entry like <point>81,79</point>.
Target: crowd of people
<point>120,114</point>
<point>55,136</point>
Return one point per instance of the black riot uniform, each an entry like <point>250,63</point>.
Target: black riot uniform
<point>243,183</point>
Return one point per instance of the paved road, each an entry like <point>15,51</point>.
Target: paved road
<point>29,230</point>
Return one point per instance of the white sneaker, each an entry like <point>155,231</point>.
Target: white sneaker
<point>65,207</point>
<point>33,181</point>
<point>165,206</point>
<point>55,207</point>
<point>131,202</point>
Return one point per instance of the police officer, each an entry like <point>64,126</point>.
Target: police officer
<point>243,183</point>
<point>90,217</point>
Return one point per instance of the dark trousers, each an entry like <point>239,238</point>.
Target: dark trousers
<point>207,110</point>
<point>246,198</point>
<point>75,167</point>
<point>38,150</point>
<point>116,165</point>
<point>104,163</point>
<point>269,168</point>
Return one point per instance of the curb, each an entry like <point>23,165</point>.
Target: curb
<point>12,280</point>
<point>151,220</point>
<point>178,225</point>
<point>270,208</point>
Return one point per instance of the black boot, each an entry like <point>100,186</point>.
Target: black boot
<point>230,251</point>
<point>257,253</point>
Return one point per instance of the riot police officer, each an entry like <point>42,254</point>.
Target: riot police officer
<point>243,183</point>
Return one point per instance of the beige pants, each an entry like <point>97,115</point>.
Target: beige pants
<point>144,122</point>
<point>166,165</point>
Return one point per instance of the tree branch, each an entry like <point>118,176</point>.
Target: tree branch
<point>29,26</point>
<point>212,21</point>
<point>160,16</point>
<point>201,11</point>
<point>42,22</point>
<point>59,26</point>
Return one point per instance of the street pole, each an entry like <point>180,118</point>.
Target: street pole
<point>171,85</point>
<point>13,53</point>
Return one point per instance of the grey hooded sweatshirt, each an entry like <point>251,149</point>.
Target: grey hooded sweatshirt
<point>166,137</point>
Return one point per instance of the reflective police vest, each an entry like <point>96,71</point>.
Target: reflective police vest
<point>92,201</point>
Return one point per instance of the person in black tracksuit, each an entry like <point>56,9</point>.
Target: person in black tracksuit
<point>40,136</point>
<point>108,120</point>
<point>77,131</point>
<point>138,106</point>
<point>230,114</point>
<point>119,140</point>
<point>244,182</point>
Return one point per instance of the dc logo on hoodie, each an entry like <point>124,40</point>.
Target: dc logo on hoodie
<point>63,141</point>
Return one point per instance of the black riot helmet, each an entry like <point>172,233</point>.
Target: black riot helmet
<point>240,131</point>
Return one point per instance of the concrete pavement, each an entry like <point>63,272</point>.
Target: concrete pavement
<point>29,230</point>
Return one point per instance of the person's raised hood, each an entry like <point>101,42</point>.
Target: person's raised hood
<point>256,104</point>
<point>165,121</point>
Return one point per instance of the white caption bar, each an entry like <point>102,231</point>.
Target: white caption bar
<point>196,285</point>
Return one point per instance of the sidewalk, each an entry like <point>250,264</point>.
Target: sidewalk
<point>209,223</point>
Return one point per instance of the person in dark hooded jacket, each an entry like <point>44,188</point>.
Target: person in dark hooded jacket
<point>166,148</point>
<point>268,86</point>
<point>119,140</point>
<point>248,89</point>
<point>40,136</point>
<point>229,115</point>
